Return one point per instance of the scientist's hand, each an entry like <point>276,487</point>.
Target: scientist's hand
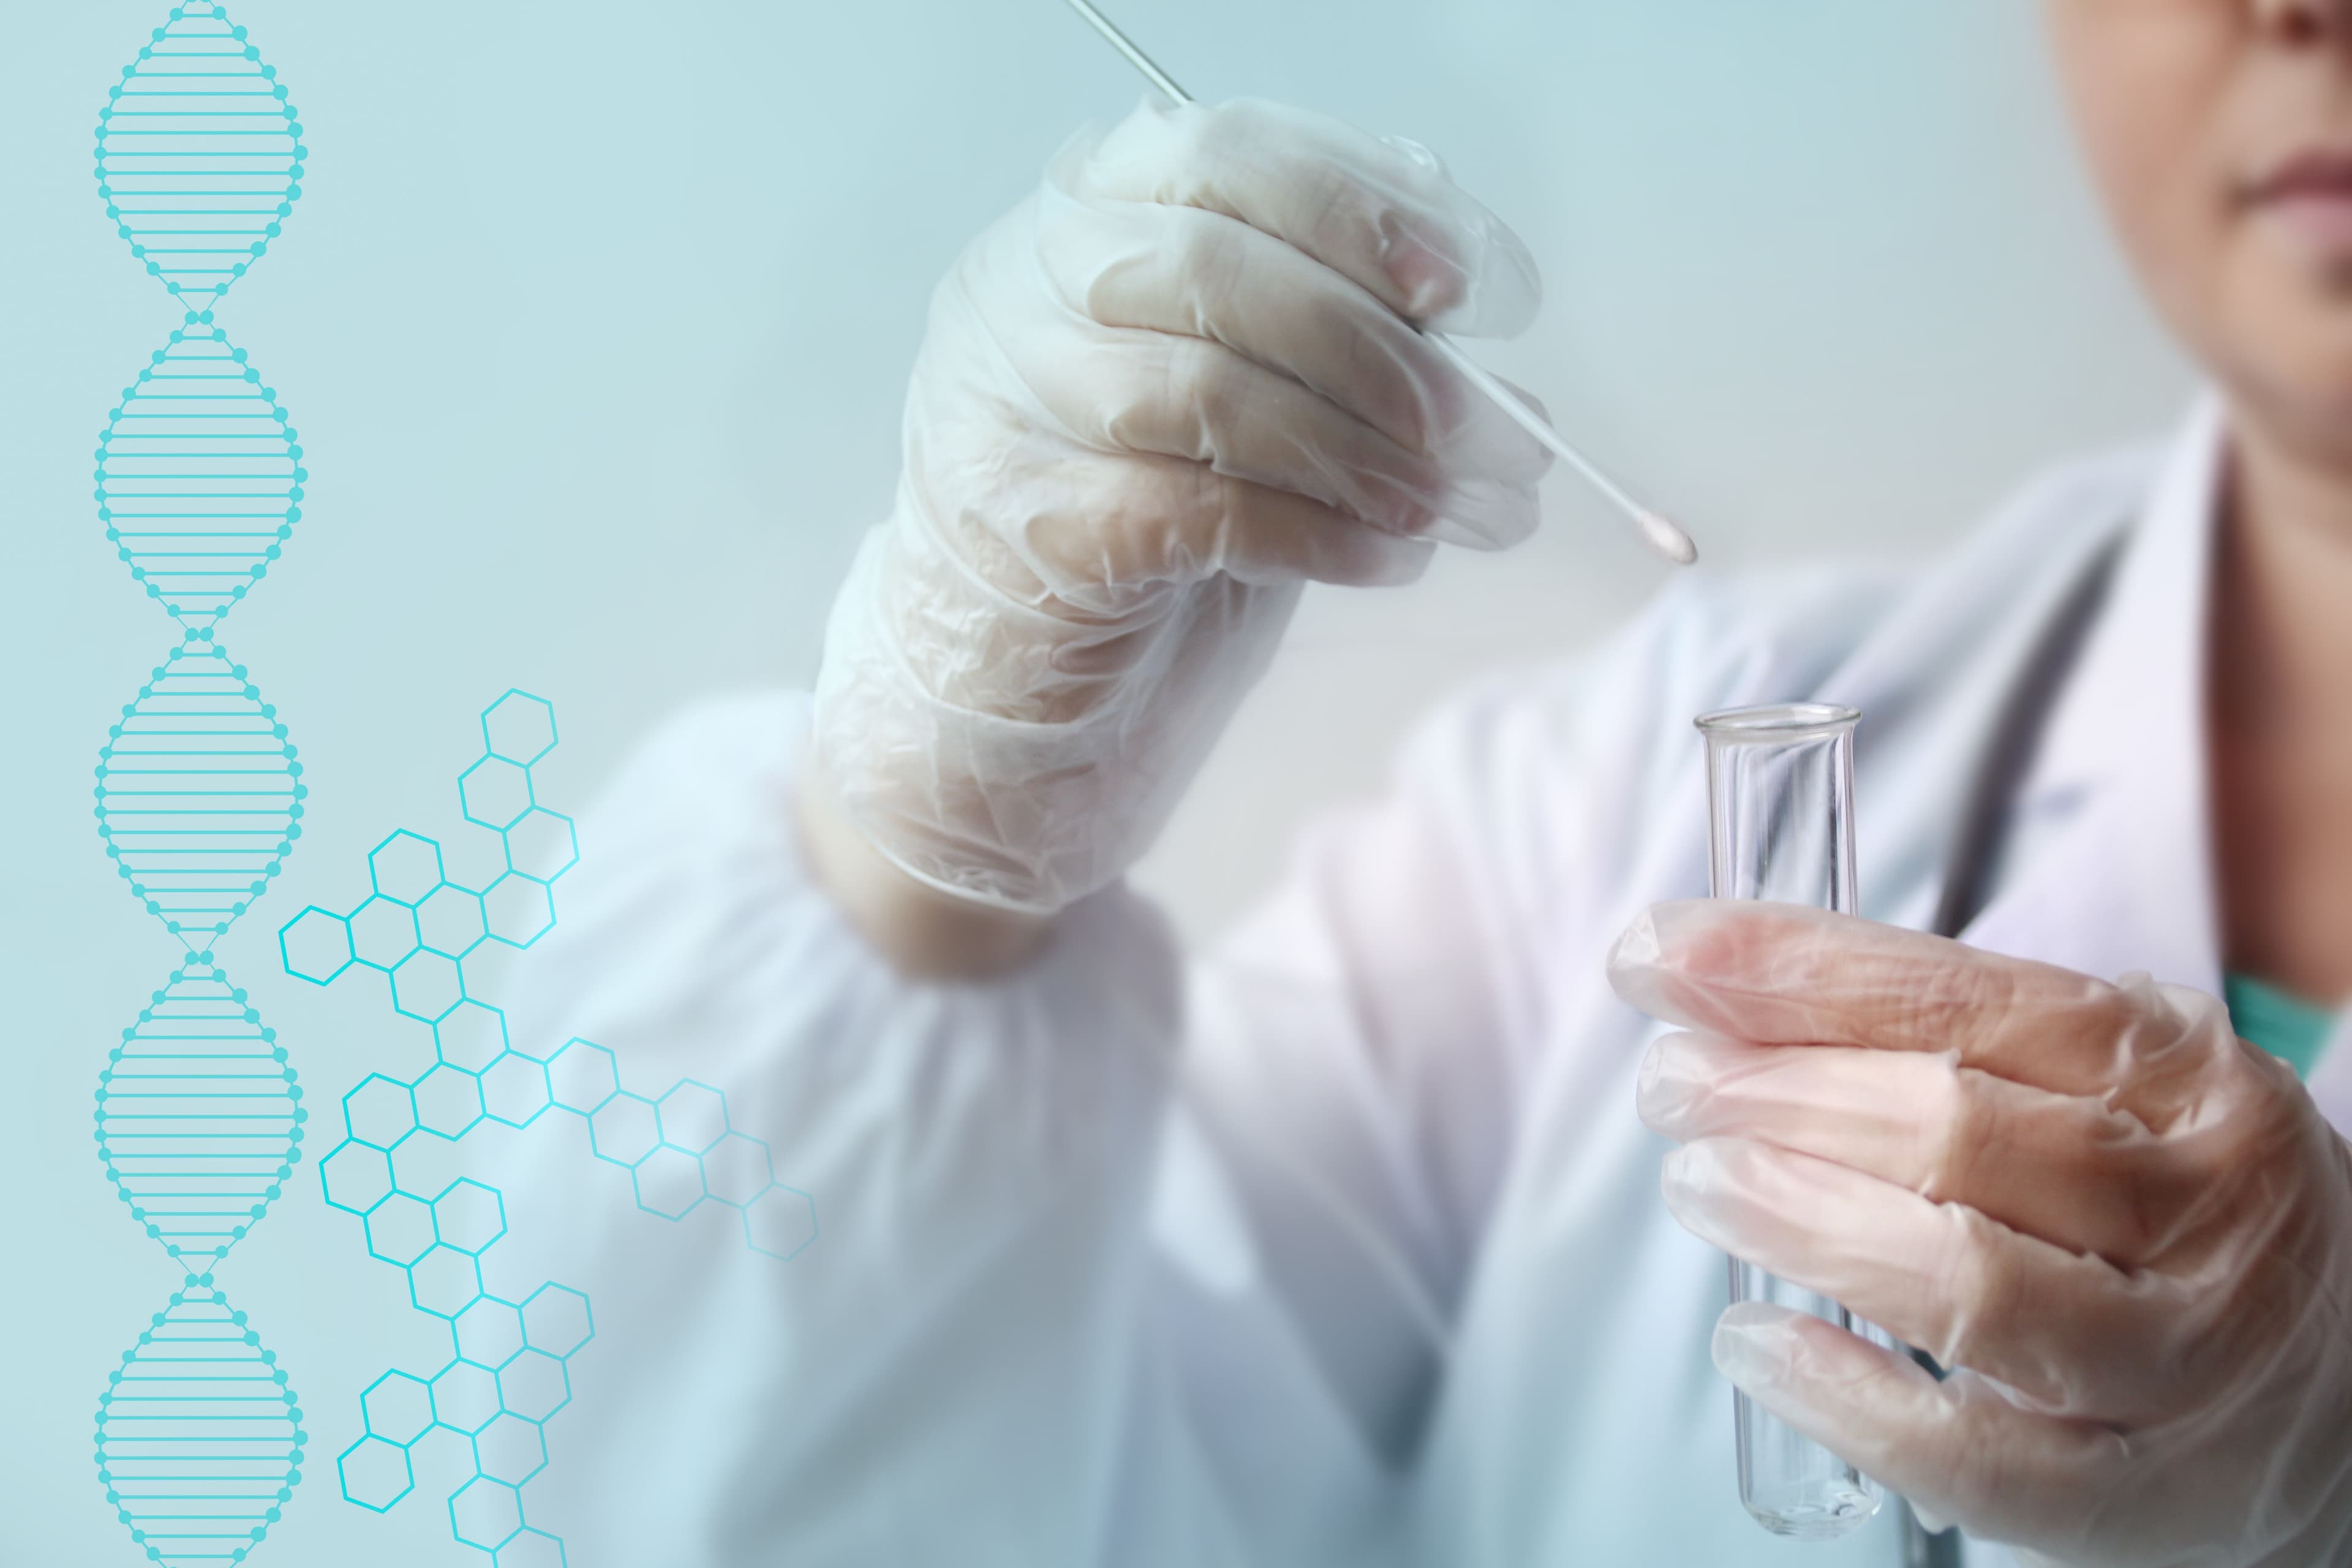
<point>1174,384</point>
<point>2129,1233</point>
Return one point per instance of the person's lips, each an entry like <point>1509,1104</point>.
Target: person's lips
<point>2310,197</point>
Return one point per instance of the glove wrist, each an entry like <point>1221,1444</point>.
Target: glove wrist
<point>925,932</point>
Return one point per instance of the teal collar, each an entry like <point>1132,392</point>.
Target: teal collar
<point>2282,1023</point>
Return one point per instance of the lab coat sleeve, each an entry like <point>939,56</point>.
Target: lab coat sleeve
<point>1044,1321</point>
<point>947,1374</point>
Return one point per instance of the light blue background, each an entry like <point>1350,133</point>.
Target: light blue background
<point>595,319</point>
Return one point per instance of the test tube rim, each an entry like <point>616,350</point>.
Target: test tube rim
<point>1777,721</point>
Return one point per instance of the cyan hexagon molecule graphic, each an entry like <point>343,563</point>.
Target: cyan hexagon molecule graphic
<point>375,1473</point>
<point>518,909</point>
<point>448,1101</point>
<point>428,987</point>
<point>472,1038</point>
<point>495,793</point>
<point>398,1408</point>
<point>542,844</point>
<point>737,1169</point>
<point>668,1183</point>
<point>780,1221</point>
<point>452,921</point>
<point>693,1117</point>
<point>518,728</point>
<point>510,1448</point>
<point>514,1090</point>
<point>531,1549</point>
<point>489,1333</point>
<point>465,1397</point>
<point>400,1230</point>
<point>316,946</point>
<point>445,1282</point>
<point>423,933</point>
<point>535,1385</point>
<point>357,1177</point>
<point>384,932</point>
<point>556,1320</point>
<point>406,866</point>
<point>485,1512</point>
<point>581,1076</point>
<point>625,1129</point>
<point>380,1111</point>
<point>468,1216</point>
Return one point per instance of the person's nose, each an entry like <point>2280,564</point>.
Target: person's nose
<point>2306,21</point>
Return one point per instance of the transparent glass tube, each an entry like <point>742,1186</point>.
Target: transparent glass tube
<point>1780,793</point>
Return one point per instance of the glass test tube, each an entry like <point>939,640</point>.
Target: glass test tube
<point>1779,790</point>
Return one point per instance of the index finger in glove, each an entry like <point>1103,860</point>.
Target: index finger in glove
<point>2069,1169</point>
<point>1200,274</point>
<point>1383,214</point>
<point>1785,974</point>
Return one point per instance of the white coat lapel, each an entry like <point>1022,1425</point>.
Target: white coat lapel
<point>2108,866</point>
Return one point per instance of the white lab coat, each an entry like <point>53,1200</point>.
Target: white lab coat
<point>1344,1246</point>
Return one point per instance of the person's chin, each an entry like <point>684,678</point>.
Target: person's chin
<point>2303,396</point>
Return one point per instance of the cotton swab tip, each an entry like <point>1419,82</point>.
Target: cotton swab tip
<point>1664,537</point>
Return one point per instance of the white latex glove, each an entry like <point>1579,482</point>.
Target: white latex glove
<point>1171,387</point>
<point>2129,1231</point>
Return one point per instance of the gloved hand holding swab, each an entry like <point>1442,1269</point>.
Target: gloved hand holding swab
<point>1659,532</point>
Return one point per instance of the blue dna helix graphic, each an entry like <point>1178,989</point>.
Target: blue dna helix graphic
<point>429,935</point>
<point>199,1439</point>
